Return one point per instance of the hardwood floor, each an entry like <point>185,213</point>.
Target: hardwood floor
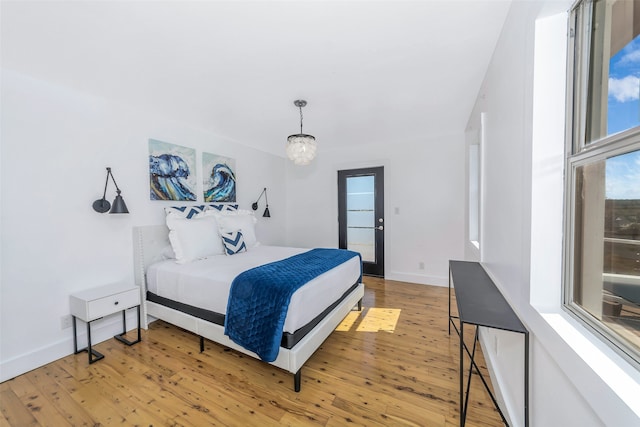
<point>370,371</point>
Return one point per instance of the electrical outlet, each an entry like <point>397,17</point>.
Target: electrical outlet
<point>65,321</point>
<point>421,265</point>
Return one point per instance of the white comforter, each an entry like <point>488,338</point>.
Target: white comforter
<point>205,283</point>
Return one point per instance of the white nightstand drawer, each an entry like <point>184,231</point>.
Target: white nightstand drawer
<point>99,302</point>
<point>112,304</point>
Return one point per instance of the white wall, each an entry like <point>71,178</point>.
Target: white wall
<point>56,144</point>
<point>424,181</point>
<point>521,239</point>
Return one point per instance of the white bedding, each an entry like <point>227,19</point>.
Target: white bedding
<point>205,283</point>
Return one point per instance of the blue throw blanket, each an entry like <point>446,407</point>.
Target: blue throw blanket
<point>259,298</point>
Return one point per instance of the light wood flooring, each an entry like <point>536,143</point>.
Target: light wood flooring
<point>405,374</point>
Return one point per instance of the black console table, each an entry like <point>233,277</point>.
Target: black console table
<point>480,303</point>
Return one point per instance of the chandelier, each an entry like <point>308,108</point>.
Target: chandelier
<point>301,148</point>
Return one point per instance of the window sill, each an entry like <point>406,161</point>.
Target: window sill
<point>622,379</point>
<point>472,250</point>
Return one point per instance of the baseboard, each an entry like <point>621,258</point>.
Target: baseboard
<point>101,330</point>
<point>421,279</point>
<point>34,359</point>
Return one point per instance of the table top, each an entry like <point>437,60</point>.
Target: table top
<point>103,291</point>
<point>479,300</point>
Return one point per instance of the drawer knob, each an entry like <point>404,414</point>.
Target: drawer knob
<point>115,303</point>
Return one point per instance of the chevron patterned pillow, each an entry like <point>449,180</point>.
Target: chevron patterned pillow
<point>233,242</point>
<point>184,211</point>
<point>222,207</point>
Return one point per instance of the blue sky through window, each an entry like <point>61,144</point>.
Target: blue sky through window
<point>623,176</point>
<point>624,88</point>
<point>623,172</point>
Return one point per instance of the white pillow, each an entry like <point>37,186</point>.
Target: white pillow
<point>242,220</point>
<point>194,238</point>
<point>167,252</point>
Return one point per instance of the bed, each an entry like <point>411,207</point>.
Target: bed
<point>173,293</point>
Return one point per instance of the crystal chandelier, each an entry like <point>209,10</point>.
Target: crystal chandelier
<point>301,148</point>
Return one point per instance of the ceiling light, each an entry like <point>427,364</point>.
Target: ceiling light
<point>301,148</point>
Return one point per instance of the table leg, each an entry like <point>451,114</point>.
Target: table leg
<point>471,366</point>
<point>75,336</point>
<point>462,413</point>
<point>94,355</point>
<point>526,379</point>
<point>120,337</point>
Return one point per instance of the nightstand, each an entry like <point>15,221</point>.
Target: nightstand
<point>95,303</point>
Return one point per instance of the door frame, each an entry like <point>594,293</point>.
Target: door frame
<point>370,269</point>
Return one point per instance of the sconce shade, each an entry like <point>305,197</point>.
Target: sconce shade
<point>102,205</point>
<point>266,213</point>
<point>119,207</point>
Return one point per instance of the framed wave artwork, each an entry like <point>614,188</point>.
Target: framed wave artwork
<point>219,178</point>
<point>172,171</point>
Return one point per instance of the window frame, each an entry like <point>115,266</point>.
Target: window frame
<point>580,153</point>
<point>475,141</point>
<point>474,193</point>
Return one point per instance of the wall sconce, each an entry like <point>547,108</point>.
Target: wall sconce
<point>254,206</point>
<point>102,205</point>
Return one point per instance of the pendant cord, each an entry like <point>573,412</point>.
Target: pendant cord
<point>300,119</point>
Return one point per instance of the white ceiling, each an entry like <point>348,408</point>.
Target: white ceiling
<point>383,71</point>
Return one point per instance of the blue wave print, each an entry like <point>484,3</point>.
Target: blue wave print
<point>167,175</point>
<point>222,185</point>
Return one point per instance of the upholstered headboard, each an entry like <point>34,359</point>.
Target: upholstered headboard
<point>149,242</point>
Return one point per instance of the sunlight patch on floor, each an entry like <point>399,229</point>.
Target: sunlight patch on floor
<point>348,321</point>
<point>374,320</point>
<point>380,319</point>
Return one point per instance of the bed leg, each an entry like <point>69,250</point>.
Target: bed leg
<point>360,304</point>
<point>201,344</point>
<point>296,380</point>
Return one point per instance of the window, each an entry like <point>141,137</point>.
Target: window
<point>474,194</point>
<point>602,244</point>
<point>474,183</point>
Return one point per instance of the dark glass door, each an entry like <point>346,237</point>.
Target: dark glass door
<point>361,216</point>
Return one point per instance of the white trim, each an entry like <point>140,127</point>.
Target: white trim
<point>101,330</point>
<point>421,279</point>
<point>615,397</point>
